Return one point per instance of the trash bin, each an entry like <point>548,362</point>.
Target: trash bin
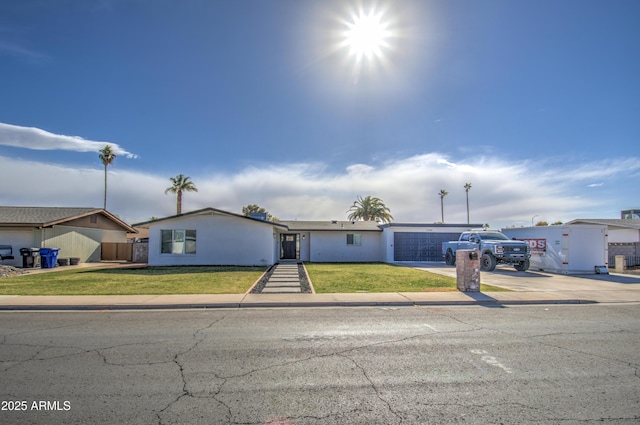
<point>48,257</point>
<point>29,257</point>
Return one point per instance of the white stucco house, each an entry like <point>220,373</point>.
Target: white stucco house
<point>215,237</point>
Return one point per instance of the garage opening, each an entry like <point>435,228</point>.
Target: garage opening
<point>415,246</point>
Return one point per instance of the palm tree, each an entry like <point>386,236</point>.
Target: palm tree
<point>180,184</point>
<point>370,209</point>
<point>442,194</point>
<point>467,186</point>
<point>107,156</point>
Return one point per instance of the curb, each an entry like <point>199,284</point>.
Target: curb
<point>284,304</point>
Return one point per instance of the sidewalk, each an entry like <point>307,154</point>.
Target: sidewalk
<point>526,287</point>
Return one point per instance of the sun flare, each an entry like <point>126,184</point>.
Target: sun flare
<point>366,36</point>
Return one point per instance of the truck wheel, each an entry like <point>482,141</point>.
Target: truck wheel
<point>524,266</point>
<point>449,259</point>
<point>487,263</point>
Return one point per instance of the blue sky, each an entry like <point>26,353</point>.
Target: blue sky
<point>535,103</point>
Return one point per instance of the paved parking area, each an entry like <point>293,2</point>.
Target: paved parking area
<point>536,281</point>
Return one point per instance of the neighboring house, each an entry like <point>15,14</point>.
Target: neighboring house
<point>581,245</point>
<point>215,237</point>
<point>624,237</point>
<point>619,230</point>
<point>77,232</point>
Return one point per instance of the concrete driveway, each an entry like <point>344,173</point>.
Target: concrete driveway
<point>616,287</point>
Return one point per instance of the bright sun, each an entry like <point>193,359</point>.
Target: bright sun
<point>367,36</point>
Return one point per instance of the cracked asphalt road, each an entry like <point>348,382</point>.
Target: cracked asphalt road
<point>409,365</point>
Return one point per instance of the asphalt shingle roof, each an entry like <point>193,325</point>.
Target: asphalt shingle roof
<point>49,216</point>
<point>41,215</point>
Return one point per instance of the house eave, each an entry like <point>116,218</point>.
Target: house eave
<point>205,211</point>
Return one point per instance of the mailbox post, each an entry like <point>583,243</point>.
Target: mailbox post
<point>468,270</point>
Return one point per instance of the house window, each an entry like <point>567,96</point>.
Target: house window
<point>354,239</point>
<point>178,242</point>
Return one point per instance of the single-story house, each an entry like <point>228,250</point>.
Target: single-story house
<point>623,236</point>
<point>619,230</point>
<point>215,237</point>
<point>76,232</point>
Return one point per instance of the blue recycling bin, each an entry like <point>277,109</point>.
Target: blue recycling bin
<point>48,257</point>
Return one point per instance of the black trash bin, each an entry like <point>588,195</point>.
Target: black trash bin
<point>29,257</point>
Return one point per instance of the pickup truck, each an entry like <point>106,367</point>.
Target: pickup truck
<point>495,248</point>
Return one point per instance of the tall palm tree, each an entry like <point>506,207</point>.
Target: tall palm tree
<point>442,194</point>
<point>467,186</point>
<point>107,156</point>
<point>370,209</point>
<point>180,183</point>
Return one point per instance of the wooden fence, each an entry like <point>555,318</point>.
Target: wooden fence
<point>117,251</point>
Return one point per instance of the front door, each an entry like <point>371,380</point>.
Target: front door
<point>289,249</point>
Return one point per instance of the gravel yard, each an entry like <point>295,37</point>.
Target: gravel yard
<point>8,271</point>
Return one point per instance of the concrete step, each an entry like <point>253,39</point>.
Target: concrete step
<point>279,290</point>
<point>282,285</point>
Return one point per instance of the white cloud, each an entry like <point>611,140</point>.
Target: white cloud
<point>503,193</point>
<point>16,49</point>
<point>37,139</point>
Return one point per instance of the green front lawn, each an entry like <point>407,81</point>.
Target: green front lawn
<point>326,278</point>
<point>378,277</point>
<point>135,281</point>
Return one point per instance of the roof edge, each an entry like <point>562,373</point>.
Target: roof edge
<point>203,211</point>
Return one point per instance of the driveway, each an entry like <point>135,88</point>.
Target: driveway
<point>588,286</point>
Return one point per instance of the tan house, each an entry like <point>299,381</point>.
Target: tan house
<point>77,232</point>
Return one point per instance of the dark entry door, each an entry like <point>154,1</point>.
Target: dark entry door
<point>289,248</point>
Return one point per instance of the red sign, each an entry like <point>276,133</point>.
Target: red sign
<point>536,244</point>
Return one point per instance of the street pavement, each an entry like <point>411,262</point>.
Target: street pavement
<point>529,287</point>
<point>525,365</point>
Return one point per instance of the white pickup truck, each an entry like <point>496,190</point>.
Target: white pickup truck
<point>495,248</point>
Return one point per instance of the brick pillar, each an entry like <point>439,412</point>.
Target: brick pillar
<point>468,270</point>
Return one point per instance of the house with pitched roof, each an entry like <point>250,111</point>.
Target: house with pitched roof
<point>623,237</point>
<point>76,232</point>
<point>212,236</point>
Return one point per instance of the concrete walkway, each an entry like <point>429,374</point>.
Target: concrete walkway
<point>284,280</point>
<point>526,288</point>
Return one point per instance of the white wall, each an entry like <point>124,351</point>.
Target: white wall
<point>220,240</point>
<point>305,246</point>
<point>624,235</point>
<point>331,247</point>
<point>17,238</point>
<point>570,249</point>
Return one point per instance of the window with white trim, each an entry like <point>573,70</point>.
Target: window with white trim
<point>178,242</point>
<point>354,239</point>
